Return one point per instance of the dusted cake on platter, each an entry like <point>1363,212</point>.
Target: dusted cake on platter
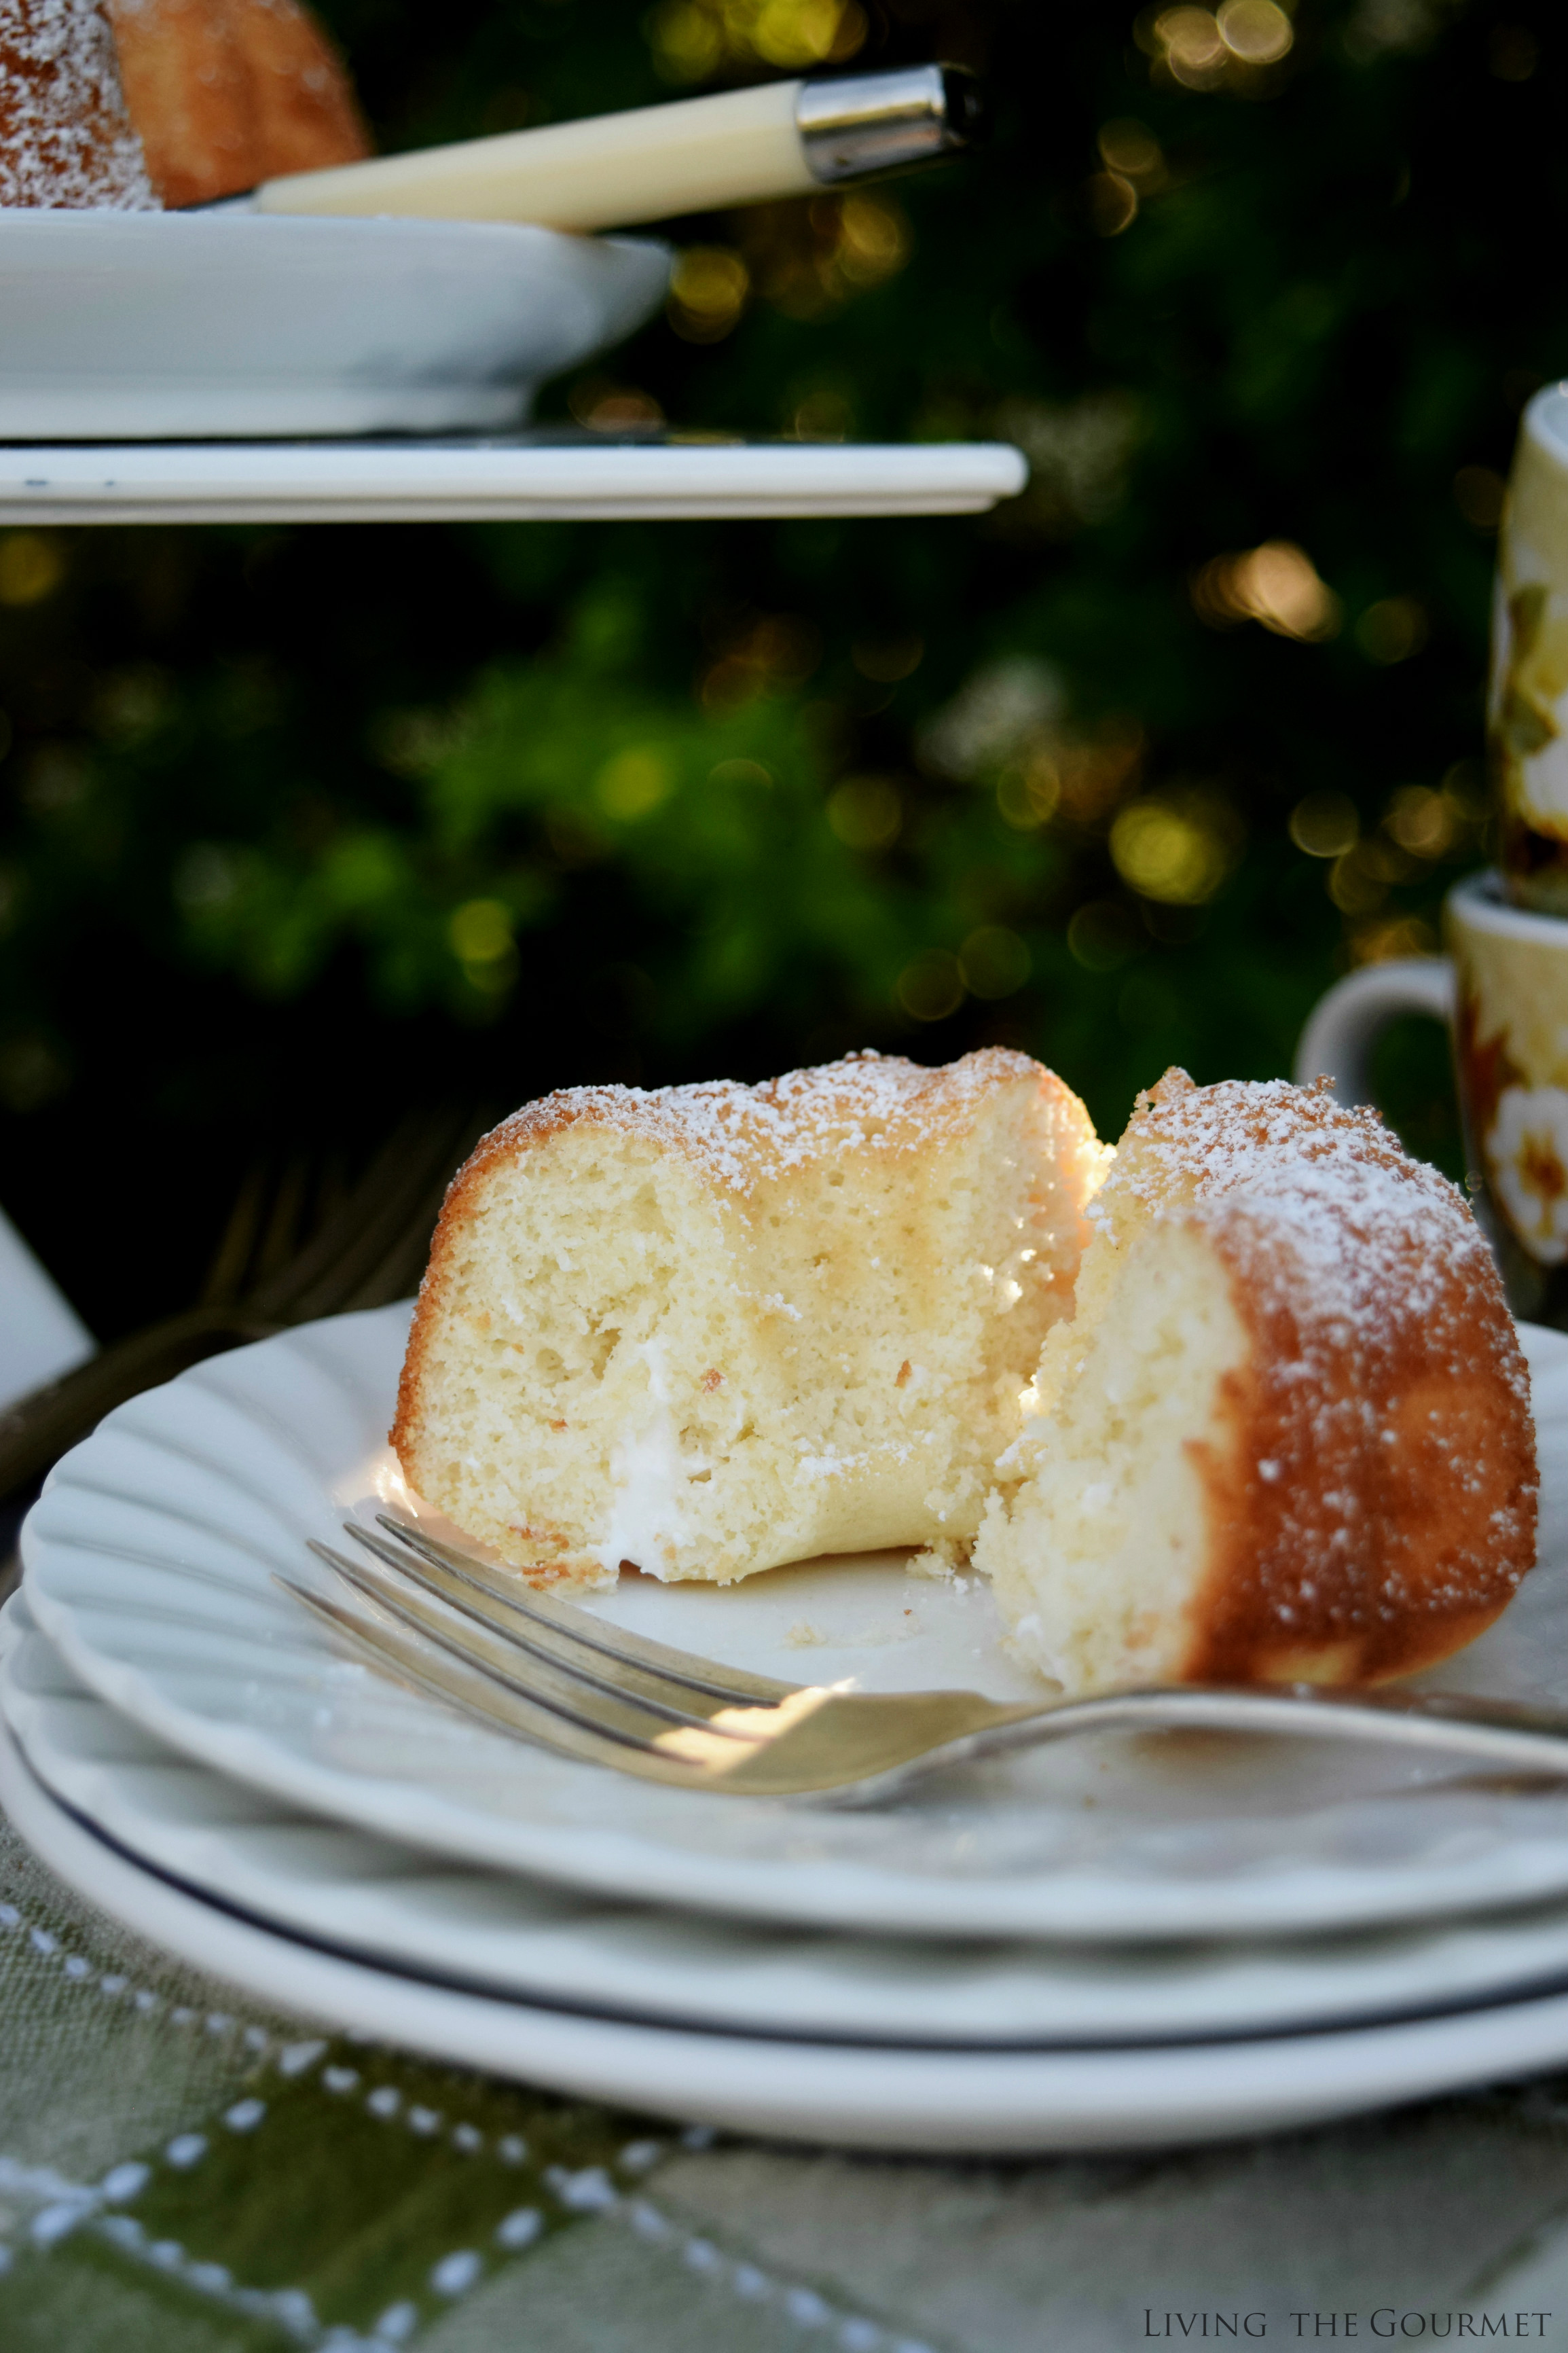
<point>714,1328</point>
<point>66,136</point>
<point>1287,1435</point>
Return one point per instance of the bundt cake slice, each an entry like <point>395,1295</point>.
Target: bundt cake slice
<point>1287,1435</point>
<point>710,1329</point>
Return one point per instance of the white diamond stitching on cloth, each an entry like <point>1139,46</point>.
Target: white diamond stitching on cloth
<point>53,2208</point>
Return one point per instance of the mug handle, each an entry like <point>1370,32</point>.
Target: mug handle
<point>1345,1026</point>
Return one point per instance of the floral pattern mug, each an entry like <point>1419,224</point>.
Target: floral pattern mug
<point>1504,987</point>
<point>1527,701</point>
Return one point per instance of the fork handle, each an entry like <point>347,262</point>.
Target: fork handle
<point>1495,1732</point>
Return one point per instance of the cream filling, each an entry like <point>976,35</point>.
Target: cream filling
<point>649,1518</point>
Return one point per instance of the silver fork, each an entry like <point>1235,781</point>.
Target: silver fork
<point>485,1643</point>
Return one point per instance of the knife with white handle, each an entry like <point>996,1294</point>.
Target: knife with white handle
<point>698,154</point>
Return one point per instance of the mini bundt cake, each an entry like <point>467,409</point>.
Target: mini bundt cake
<point>65,137</point>
<point>713,1328</point>
<point>226,93</point>
<point>1287,1435</point>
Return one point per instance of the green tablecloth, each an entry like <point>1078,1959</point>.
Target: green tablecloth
<point>180,2173</point>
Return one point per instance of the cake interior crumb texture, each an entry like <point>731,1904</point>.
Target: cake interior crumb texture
<point>1287,1434</point>
<point>710,1329</point>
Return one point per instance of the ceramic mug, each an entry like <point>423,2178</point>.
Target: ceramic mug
<point>1527,701</point>
<point>1503,987</point>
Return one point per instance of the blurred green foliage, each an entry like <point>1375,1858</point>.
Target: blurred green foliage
<point>297,820</point>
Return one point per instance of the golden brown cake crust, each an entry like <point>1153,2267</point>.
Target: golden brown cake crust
<point>227,93</point>
<point>1375,1506</point>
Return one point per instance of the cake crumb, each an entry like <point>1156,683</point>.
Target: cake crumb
<point>803,1636</point>
<point>941,1562</point>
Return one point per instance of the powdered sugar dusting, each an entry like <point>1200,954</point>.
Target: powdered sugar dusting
<point>741,1133</point>
<point>1382,1339</point>
<point>1318,1195</point>
<point>66,138</point>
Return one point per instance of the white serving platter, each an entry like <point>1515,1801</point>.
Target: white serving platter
<point>120,327</point>
<point>148,1563</point>
<point>522,477</point>
<point>490,1932</point>
<point>1000,2102</point>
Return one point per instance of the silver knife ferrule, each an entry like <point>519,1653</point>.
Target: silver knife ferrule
<point>856,124</point>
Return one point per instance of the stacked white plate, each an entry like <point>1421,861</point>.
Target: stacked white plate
<point>214,367</point>
<point>1118,1941</point>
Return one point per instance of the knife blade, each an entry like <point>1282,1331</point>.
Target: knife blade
<point>653,163</point>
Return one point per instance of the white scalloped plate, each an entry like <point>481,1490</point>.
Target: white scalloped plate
<point>500,1934</point>
<point>909,2099</point>
<point>149,1558</point>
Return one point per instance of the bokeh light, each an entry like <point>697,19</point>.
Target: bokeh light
<point>693,39</point>
<point>823,413</point>
<point>1325,824</point>
<point>993,962</point>
<point>866,812</point>
<point>609,407</point>
<point>633,785</point>
<point>32,566</point>
<point>1256,31</point>
<point>707,290</point>
<point>1389,936</point>
<point>759,654</point>
<point>1192,46</point>
<point>1029,792</point>
<point>1276,583</point>
<point>1424,822</point>
<point>1129,148</point>
<point>1233,47</point>
<point>874,240</point>
<point>747,775</point>
<point>931,987</point>
<point>1393,629</point>
<point>1176,849</point>
<point>481,931</point>
<point>809,259</point>
<point>1112,202</point>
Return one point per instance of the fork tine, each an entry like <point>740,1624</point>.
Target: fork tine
<point>684,1667</point>
<point>615,1716</point>
<point>413,1662</point>
<point>665,1698</point>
